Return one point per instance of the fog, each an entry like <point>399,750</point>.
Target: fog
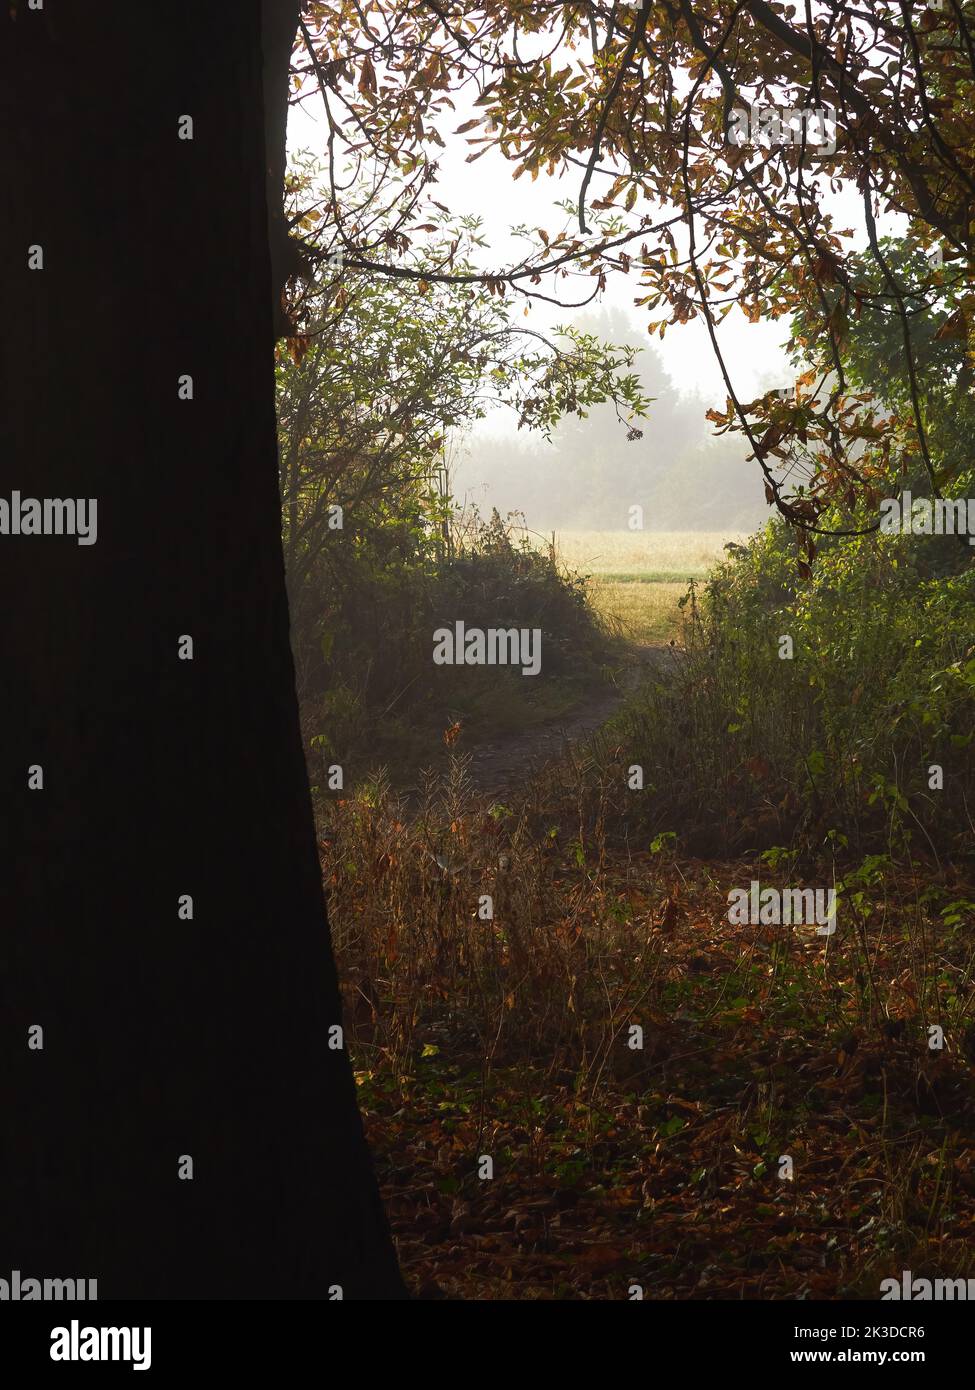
<point>589,475</point>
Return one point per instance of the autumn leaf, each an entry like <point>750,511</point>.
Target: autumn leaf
<point>367,78</point>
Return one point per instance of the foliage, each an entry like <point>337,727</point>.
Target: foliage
<point>787,761</point>
<point>642,103</point>
<point>874,364</point>
<point>372,385</point>
<point>376,698</point>
<point>743,748</point>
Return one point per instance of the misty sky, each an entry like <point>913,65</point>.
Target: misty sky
<point>487,189</point>
<point>753,352</point>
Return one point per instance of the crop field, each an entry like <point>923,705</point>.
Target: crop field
<point>637,577</point>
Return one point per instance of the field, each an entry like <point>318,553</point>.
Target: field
<point>629,556</point>
<point>643,611</point>
<point>638,576</point>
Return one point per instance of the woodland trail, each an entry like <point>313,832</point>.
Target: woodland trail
<point>500,766</point>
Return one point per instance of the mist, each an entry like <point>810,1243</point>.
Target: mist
<point>590,475</point>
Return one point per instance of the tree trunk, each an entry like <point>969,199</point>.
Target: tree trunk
<point>164,1038</point>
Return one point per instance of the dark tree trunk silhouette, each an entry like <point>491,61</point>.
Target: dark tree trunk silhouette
<point>162,1037</point>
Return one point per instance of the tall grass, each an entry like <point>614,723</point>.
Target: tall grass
<point>512,1035</point>
<point>551,973</point>
<point>815,708</point>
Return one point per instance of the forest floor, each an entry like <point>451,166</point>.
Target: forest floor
<point>769,1141</point>
<point>500,767</point>
<point>784,1131</point>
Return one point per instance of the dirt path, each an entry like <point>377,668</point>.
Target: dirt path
<point>500,765</point>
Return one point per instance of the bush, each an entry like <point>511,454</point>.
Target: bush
<point>751,748</point>
<point>371,692</point>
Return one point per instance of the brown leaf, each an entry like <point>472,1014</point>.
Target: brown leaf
<point>367,79</point>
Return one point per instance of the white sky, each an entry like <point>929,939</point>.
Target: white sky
<point>487,189</point>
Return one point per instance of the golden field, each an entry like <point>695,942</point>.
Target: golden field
<point>638,576</point>
<point>671,554</point>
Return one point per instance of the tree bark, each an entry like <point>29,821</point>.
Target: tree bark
<point>162,1038</point>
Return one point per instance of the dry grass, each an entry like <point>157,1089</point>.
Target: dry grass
<point>638,576</point>
<point>676,554</point>
<point>509,1037</point>
<point>641,612</point>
